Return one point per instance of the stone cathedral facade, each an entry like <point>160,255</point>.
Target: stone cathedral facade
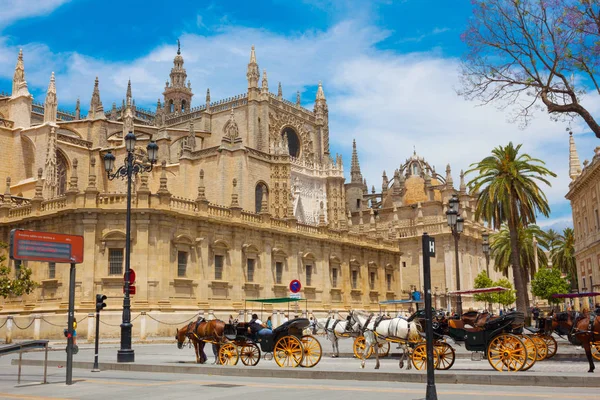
<point>246,196</point>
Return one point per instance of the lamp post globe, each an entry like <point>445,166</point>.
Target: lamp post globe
<point>460,224</point>
<point>452,215</point>
<point>130,140</point>
<point>109,161</point>
<point>152,149</point>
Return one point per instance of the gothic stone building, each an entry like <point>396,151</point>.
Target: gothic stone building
<point>584,190</point>
<point>246,197</point>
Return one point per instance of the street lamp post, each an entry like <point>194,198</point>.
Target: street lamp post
<point>130,167</point>
<point>486,250</point>
<point>456,224</point>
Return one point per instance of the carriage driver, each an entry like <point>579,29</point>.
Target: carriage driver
<point>256,326</point>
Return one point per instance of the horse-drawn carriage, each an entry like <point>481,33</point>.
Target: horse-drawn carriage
<point>287,344</point>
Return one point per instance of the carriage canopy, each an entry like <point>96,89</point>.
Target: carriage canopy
<point>575,295</point>
<point>494,289</point>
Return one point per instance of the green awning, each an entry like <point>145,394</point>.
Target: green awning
<point>275,300</point>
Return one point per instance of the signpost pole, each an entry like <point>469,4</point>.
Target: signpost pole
<point>96,368</point>
<point>70,325</point>
<point>428,250</point>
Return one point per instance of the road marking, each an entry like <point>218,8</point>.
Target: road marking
<point>350,389</point>
<point>18,396</point>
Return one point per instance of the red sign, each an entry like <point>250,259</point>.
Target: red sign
<point>45,246</point>
<point>295,286</point>
<point>131,276</point>
<point>131,290</point>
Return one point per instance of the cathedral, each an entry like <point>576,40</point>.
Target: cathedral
<point>245,197</point>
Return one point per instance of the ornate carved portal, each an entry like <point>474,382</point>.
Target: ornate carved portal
<point>61,174</point>
<point>281,125</point>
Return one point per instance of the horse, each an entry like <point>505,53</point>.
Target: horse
<point>199,332</point>
<point>583,326</point>
<point>398,328</point>
<point>335,328</point>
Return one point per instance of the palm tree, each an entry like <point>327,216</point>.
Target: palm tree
<point>552,237</point>
<point>501,250</point>
<point>563,255</point>
<point>509,193</point>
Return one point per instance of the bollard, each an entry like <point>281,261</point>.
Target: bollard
<point>210,312</point>
<point>9,327</point>
<point>37,322</point>
<point>90,328</point>
<point>241,316</point>
<point>143,332</point>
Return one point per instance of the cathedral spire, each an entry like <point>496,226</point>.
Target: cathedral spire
<point>128,94</point>
<point>298,98</point>
<point>463,186</point>
<point>51,103</point>
<point>279,91</point>
<point>355,175</point>
<point>191,141</point>
<point>265,82</point>
<point>574,164</point>
<point>96,110</point>
<point>19,86</point>
<point>78,109</point>
<point>178,47</point>
<point>320,93</point>
<point>208,100</point>
<point>252,73</point>
<point>449,182</point>
<point>178,96</point>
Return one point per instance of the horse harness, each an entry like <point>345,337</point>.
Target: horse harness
<point>192,331</point>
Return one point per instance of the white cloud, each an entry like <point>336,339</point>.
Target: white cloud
<point>387,101</point>
<point>12,10</point>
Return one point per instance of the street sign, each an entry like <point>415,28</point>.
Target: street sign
<point>295,296</point>
<point>131,276</point>
<point>45,246</point>
<point>431,247</point>
<point>295,286</point>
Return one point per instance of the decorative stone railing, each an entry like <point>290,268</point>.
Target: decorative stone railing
<point>105,199</point>
<point>74,140</point>
<point>179,203</point>
<point>15,200</point>
<point>20,211</point>
<point>54,204</point>
<point>219,211</point>
<point>251,217</point>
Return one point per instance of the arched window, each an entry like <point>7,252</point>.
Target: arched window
<point>61,173</point>
<point>258,195</point>
<point>171,106</point>
<point>183,103</point>
<point>293,141</point>
<point>415,169</point>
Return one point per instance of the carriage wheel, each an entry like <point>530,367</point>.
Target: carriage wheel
<point>383,348</point>
<point>250,354</point>
<point>506,352</point>
<point>552,345</point>
<point>359,347</point>
<point>446,354</point>
<point>531,352</point>
<point>419,357</point>
<point>312,351</point>
<point>540,346</point>
<point>228,354</point>
<point>595,346</point>
<point>288,352</point>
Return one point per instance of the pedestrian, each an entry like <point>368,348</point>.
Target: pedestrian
<point>230,319</point>
<point>269,323</point>
<point>285,319</point>
<point>74,331</point>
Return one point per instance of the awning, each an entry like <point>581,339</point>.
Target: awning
<point>494,289</point>
<point>275,300</point>
<point>405,301</point>
<point>575,295</point>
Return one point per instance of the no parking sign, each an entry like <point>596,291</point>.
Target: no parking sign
<point>295,286</point>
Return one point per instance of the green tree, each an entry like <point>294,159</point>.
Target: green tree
<point>563,255</point>
<point>507,297</point>
<point>482,280</point>
<point>501,249</point>
<point>17,286</point>
<point>552,238</point>
<point>525,54</point>
<point>549,281</point>
<point>509,194</point>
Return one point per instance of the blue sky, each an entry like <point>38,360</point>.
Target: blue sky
<point>389,70</point>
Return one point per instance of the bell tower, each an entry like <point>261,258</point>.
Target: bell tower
<point>178,96</point>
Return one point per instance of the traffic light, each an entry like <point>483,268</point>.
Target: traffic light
<point>100,304</point>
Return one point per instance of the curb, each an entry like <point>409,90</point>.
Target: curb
<point>447,377</point>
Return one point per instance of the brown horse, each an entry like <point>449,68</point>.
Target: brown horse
<point>579,325</point>
<point>199,332</point>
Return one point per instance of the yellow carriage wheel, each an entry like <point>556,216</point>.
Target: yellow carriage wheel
<point>595,350</point>
<point>359,347</point>
<point>446,354</point>
<point>531,352</point>
<point>312,351</point>
<point>383,348</point>
<point>540,346</point>
<point>288,352</point>
<point>250,354</point>
<point>228,354</point>
<point>551,344</point>
<point>506,352</point>
<point>419,357</point>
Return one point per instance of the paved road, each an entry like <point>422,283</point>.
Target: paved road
<point>131,385</point>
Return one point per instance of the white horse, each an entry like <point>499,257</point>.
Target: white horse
<point>398,328</point>
<point>335,328</point>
